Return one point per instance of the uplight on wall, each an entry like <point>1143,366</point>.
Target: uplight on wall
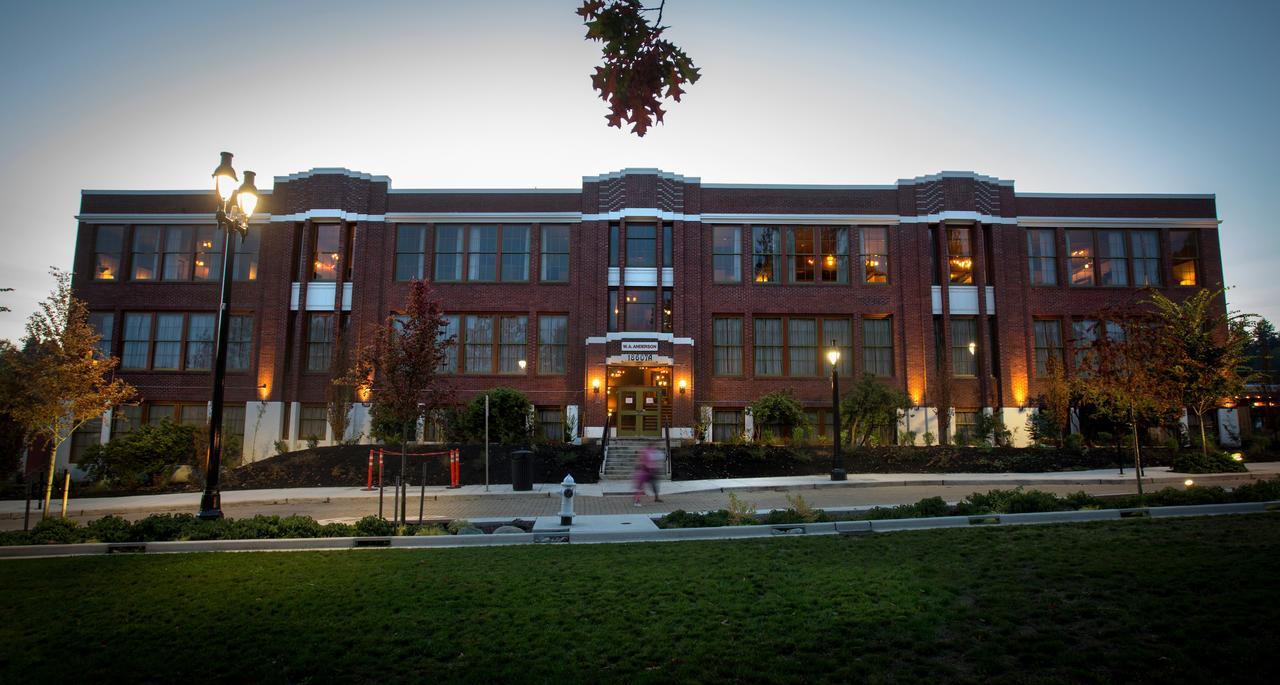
<point>682,386</point>
<point>595,385</point>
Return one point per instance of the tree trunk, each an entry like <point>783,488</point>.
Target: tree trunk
<point>1204,440</point>
<point>1137,464</point>
<point>48,486</point>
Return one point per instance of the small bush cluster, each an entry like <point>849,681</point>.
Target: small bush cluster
<point>143,456</point>
<point>1213,462</point>
<point>171,527</point>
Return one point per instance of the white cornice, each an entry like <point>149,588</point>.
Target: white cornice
<point>161,218</point>
<point>641,172</point>
<point>844,219</point>
<point>953,174</point>
<point>486,191</point>
<point>957,216</point>
<point>333,171</point>
<point>1117,222</point>
<point>483,217</point>
<point>641,213</point>
<point>338,214</point>
<point>1122,196</point>
<point>793,186</point>
<point>637,335</point>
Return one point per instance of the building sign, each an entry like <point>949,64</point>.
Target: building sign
<point>639,345</point>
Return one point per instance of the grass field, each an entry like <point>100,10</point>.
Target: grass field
<point>1165,601</point>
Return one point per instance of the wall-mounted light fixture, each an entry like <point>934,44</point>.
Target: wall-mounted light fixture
<point>595,385</point>
<point>522,364</point>
<point>683,385</point>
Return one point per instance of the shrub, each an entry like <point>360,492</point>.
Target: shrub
<point>457,525</point>
<point>1083,500</point>
<point>108,529</point>
<point>1258,491</point>
<point>372,526</point>
<point>299,527</point>
<point>777,412</point>
<point>802,509</point>
<point>509,412</point>
<point>1044,428</point>
<point>990,428</point>
<point>870,408</point>
<point>1214,462</point>
<point>1015,501</point>
<point>740,513</point>
<point>337,530</point>
<point>430,529</point>
<point>56,531</point>
<point>932,506</point>
<point>14,537</point>
<point>143,456</point>
<point>163,527</point>
<point>1073,442</point>
<point>929,438</point>
<point>1258,445</point>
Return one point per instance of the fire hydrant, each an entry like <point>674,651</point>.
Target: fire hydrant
<point>566,501</point>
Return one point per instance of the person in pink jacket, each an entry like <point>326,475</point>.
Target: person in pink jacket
<point>647,473</point>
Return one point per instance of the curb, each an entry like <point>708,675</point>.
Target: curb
<point>661,535</point>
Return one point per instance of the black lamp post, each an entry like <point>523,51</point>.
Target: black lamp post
<point>837,459</point>
<point>235,206</point>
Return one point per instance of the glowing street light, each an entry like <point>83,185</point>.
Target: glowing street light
<point>234,208</point>
<point>837,460</point>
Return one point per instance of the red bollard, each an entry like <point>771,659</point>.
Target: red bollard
<point>455,469</point>
<point>379,468</point>
<point>369,482</point>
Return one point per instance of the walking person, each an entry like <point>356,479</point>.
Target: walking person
<point>653,464</point>
<point>641,475</point>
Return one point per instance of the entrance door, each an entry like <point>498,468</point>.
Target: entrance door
<point>639,412</point>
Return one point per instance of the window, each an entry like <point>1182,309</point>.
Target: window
<point>641,309</point>
<point>964,347</point>
<point>875,254</point>
<point>233,430</point>
<point>768,347</point>
<point>326,252</point>
<point>726,343</point>
<point>726,424</point>
<point>494,342</point>
<point>1146,258</point>
<point>819,254</point>
<point>551,423</point>
<point>841,332</point>
<point>726,254</point>
<point>613,310</point>
<point>239,343</point>
<point>179,243</point>
<point>1083,333</point>
<point>1112,259</point>
<point>449,253</point>
<point>877,347</point>
<point>103,324</point>
<point>553,342</point>
<point>1186,257</point>
<point>1041,256</point>
<point>137,341</point>
<point>1080,248</point>
<point>207,264</point>
<point>766,253</point>
<point>200,341</point>
<point>555,254</point>
<point>668,310</point>
<point>125,420</point>
<point>195,415</point>
<point>167,352</point>
<point>247,248</point>
<point>146,253</point>
<point>411,248</point>
<point>613,244</point>
<point>319,341</point>
<point>515,253</point>
<point>960,251</point>
<point>966,425</point>
<point>1048,345</point>
<point>447,332</point>
<point>641,245</point>
<point>108,243</point>
<point>313,422</point>
<point>159,412</point>
<point>668,245</point>
<point>88,434</point>
<point>802,347</point>
<point>934,271</point>
<point>511,344</point>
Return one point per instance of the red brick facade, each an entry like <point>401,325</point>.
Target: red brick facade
<point>913,296</point>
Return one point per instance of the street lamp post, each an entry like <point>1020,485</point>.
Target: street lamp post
<point>837,459</point>
<point>235,206</point>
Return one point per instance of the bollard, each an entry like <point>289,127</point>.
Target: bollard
<point>66,488</point>
<point>566,500</point>
<point>26,515</point>
<point>422,493</point>
<point>368,486</point>
<point>395,503</point>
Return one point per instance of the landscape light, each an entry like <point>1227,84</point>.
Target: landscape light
<point>1188,482</point>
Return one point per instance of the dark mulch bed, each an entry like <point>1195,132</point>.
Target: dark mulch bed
<point>697,462</point>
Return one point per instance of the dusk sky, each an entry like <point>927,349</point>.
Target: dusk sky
<point>1103,97</point>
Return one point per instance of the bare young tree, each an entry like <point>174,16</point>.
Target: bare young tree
<point>69,382</point>
<point>341,391</point>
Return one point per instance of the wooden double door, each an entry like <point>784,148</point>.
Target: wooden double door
<point>640,411</point>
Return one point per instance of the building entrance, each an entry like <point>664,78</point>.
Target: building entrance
<point>639,401</point>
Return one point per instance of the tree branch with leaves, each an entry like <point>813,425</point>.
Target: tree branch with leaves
<point>640,67</point>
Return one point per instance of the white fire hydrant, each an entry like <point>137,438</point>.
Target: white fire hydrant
<point>566,501</point>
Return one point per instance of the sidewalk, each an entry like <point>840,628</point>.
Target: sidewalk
<point>545,495</point>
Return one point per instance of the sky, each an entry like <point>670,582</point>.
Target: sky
<point>1080,96</point>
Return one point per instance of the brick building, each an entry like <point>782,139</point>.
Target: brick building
<point>664,300</point>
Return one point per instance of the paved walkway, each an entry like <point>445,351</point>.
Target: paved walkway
<point>473,502</point>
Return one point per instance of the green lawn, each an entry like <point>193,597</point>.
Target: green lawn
<point>1165,601</point>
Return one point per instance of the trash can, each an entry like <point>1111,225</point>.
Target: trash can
<point>522,470</point>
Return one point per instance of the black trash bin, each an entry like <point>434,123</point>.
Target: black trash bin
<point>522,470</point>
